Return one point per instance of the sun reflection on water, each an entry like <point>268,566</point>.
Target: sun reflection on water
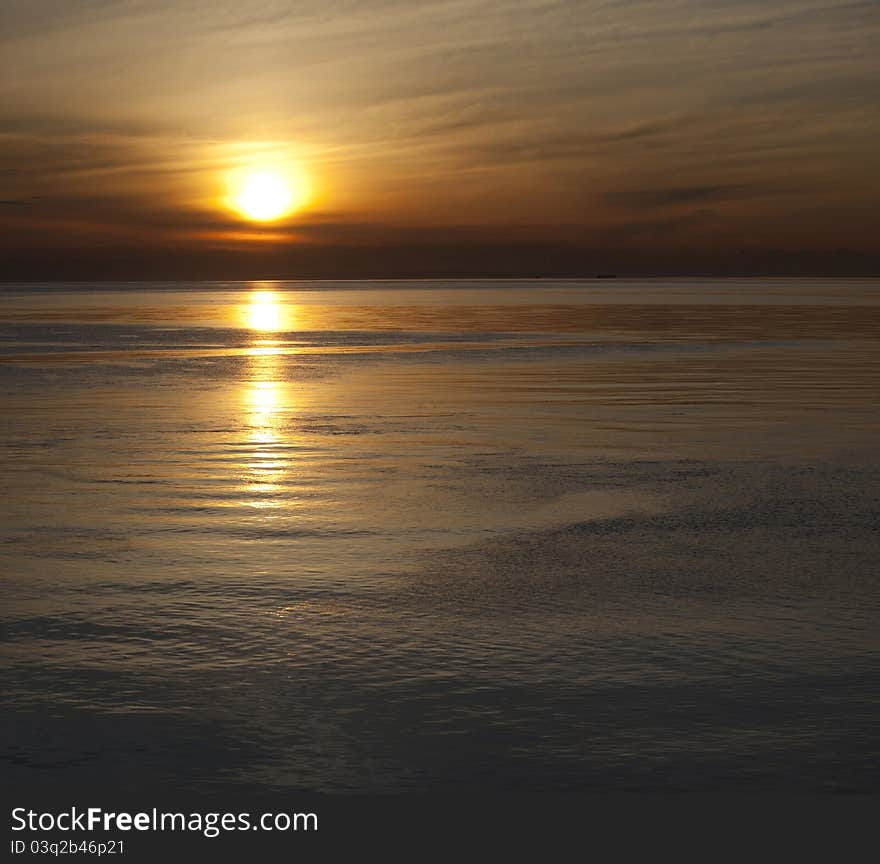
<point>267,313</point>
<point>266,401</point>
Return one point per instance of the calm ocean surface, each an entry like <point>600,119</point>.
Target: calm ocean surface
<point>388,536</point>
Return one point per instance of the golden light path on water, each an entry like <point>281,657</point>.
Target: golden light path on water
<point>608,505</point>
<point>266,312</point>
<point>267,398</point>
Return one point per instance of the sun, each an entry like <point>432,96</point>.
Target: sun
<point>266,194</point>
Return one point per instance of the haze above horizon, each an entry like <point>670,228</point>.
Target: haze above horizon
<point>211,140</point>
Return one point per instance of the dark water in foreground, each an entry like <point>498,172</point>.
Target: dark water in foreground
<point>391,536</point>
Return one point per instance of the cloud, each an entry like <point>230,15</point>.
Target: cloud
<point>685,121</point>
<point>650,199</point>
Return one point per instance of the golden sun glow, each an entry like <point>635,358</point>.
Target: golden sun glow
<point>264,196</point>
<point>267,193</point>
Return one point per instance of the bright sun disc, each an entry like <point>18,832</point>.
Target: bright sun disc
<point>264,196</point>
<point>267,194</point>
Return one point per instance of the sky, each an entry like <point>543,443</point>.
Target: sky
<point>448,138</point>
